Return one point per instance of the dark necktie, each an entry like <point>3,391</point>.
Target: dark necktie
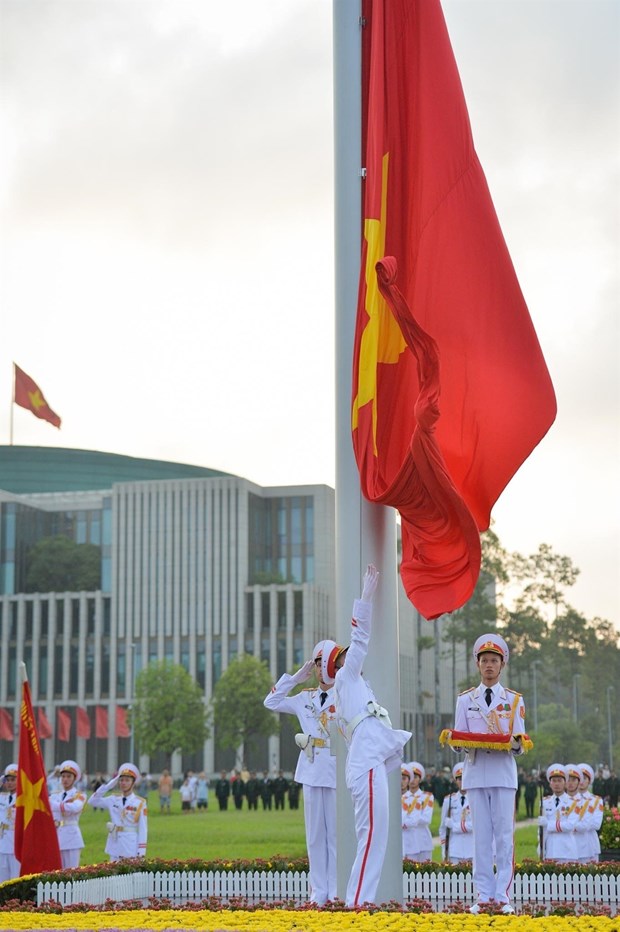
<point>323,698</point>
<point>124,800</point>
<point>462,799</point>
<point>64,795</point>
<point>557,801</point>
<point>10,798</point>
<point>488,696</point>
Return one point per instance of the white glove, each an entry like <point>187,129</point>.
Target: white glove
<point>370,583</point>
<point>304,672</point>
<point>109,785</point>
<point>515,743</point>
<point>542,820</point>
<point>449,822</point>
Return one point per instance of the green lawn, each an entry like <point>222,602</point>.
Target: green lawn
<point>232,834</point>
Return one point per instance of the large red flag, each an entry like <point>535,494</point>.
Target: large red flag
<point>82,723</point>
<point>45,729</point>
<point>27,394</point>
<point>63,725</point>
<point>122,728</point>
<point>101,722</point>
<point>6,725</point>
<point>36,841</point>
<point>450,388</point>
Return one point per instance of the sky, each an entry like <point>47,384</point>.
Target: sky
<point>166,238</point>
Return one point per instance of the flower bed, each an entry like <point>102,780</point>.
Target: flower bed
<point>609,834</point>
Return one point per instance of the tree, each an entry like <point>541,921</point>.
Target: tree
<point>560,738</point>
<point>169,713</point>
<point>546,575</point>
<point>58,564</point>
<point>239,715</point>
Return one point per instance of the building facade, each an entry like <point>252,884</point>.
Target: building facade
<point>197,567</point>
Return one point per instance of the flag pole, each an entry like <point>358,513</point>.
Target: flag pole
<point>12,408</point>
<point>23,673</point>
<point>365,533</point>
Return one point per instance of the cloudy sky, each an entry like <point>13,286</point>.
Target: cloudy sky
<point>166,265</point>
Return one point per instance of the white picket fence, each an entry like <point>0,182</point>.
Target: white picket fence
<point>440,889</point>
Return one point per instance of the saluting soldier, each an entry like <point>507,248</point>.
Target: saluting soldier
<point>315,770</point>
<point>416,816</point>
<point>490,775</point>
<point>558,819</point>
<point>455,828</point>
<point>9,865</point>
<point>67,804</point>
<point>127,828</point>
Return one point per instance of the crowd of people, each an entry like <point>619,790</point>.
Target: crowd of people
<point>478,798</point>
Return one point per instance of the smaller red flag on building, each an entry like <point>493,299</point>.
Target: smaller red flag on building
<point>122,728</point>
<point>82,722</point>
<point>27,394</point>
<point>36,840</point>
<point>45,729</point>
<point>63,725</point>
<point>6,725</point>
<point>101,722</point>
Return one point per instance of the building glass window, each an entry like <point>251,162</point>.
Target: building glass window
<point>105,668</point>
<point>58,669</point>
<point>43,668</point>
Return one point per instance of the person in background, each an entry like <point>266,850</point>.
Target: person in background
<point>202,791</point>
<point>558,819</point>
<point>280,787</point>
<point>455,828</point>
<point>293,794</point>
<point>374,748</point>
<point>238,790</point>
<point>67,804</point>
<point>9,865</point>
<point>416,817</point>
<point>266,790</point>
<point>222,791</point>
<point>252,790</point>
<point>164,787</point>
<point>594,815</point>
<point>530,793</point>
<point>186,793</point>
<point>127,828</point>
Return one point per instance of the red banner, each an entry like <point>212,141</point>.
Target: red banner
<point>450,388</point>
<point>45,729</point>
<point>101,722</point>
<point>27,394</point>
<point>6,725</point>
<point>63,725</point>
<point>82,723</point>
<point>122,728</point>
<point>36,841</point>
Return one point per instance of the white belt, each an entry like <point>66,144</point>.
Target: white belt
<point>372,710</point>
<point>112,828</point>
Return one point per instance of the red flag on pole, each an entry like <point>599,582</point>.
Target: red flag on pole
<point>6,726</point>
<point>101,722</point>
<point>82,723</point>
<point>45,729</point>
<point>27,394</point>
<point>122,728</point>
<point>450,388</point>
<point>63,725</point>
<point>36,841</point>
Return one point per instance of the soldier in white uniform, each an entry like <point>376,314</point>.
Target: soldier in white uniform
<point>127,828</point>
<point>593,816</point>
<point>490,776</point>
<point>66,804</point>
<point>455,826</point>
<point>374,747</point>
<point>9,865</point>
<point>417,815</point>
<point>558,819</point>
<point>316,769</point>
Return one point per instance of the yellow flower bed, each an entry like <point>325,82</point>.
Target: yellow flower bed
<point>305,921</point>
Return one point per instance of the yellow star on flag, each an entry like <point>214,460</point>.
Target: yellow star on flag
<point>30,797</point>
<point>36,400</point>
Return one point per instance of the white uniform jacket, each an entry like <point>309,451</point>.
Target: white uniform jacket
<point>505,715</point>
<point>314,720</point>
<point>456,808</point>
<point>369,742</point>
<point>590,821</point>
<point>7,823</point>
<point>416,816</point>
<point>66,814</point>
<point>127,828</point>
<point>561,815</point>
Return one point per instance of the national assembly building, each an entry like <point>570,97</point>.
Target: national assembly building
<point>195,566</point>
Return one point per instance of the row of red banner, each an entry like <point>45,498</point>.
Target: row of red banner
<point>64,723</point>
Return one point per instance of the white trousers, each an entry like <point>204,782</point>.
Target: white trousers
<point>493,816</point>
<point>320,821</point>
<point>370,805</point>
<point>9,867</point>
<point>70,857</point>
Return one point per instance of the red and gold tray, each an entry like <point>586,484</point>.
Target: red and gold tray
<point>486,741</point>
